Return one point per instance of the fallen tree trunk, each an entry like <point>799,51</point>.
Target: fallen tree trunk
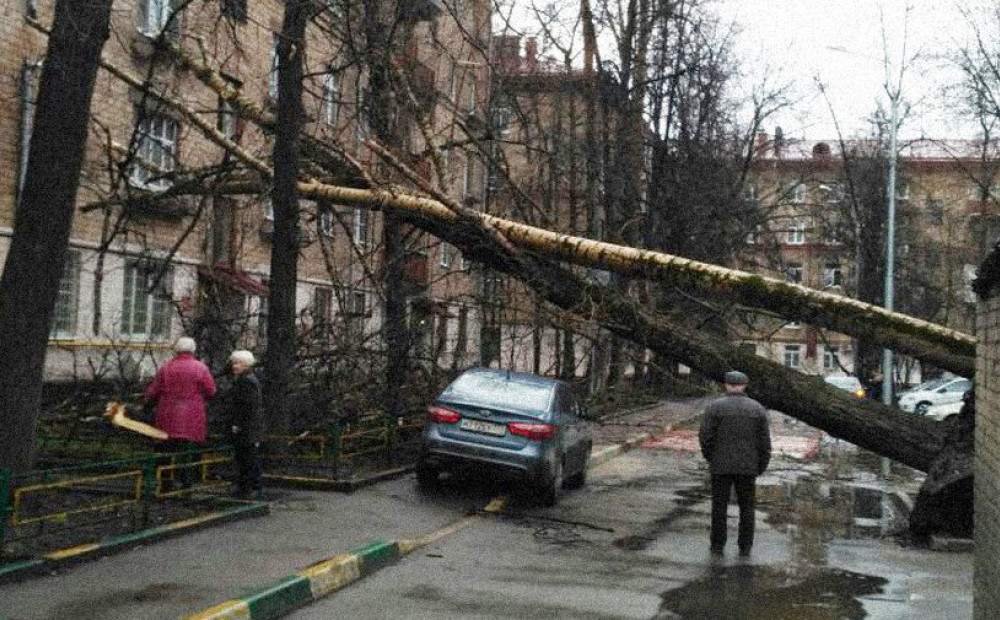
<point>908,439</point>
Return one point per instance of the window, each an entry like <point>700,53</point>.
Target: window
<point>446,253</point>
<point>356,303</point>
<point>157,150</point>
<point>799,193</point>
<point>324,219</point>
<point>750,201</point>
<point>831,234</point>
<point>792,325</point>
<point>472,93</point>
<point>935,211</point>
<point>833,275</point>
<point>793,355</point>
<point>330,109</point>
<point>794,273</point>
<point>796,234</point>
<point>831,358</point>
<point>146,308</point>
<point>903,191</point>
<point>30,73</point>
<point>155,16</point>
<point>272,75</point>
<point>227,119</point>
<point>755,235</point>
<point>262,319</point>
<point>68,298</point>
<point>361,225</point>
<point>235,10</point>
<point>467,176</point>
<point>502,117</point>
<point>832,192</point>
<point>322,308</point>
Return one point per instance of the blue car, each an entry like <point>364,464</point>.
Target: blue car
<point>511,424</point>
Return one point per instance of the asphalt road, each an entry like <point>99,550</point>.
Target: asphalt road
<point>633,544</point>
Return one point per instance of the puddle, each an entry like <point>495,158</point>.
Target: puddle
<point>749,592</point>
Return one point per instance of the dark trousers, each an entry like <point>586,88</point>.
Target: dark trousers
<point>249,474</point>
<point>182,474</point>
<point>747,500</point>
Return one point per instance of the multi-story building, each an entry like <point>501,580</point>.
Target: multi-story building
<point>150,260</point>
<point>822,217</point>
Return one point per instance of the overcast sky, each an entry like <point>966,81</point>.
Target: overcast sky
<point>840,43</point>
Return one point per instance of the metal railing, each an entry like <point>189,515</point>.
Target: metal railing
<point>67,504</point>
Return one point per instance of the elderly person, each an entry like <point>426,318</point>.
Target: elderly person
<point>736,441</point>
<point>180,390</point>
<point>242,417</point>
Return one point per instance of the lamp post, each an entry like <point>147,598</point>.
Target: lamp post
<point>890,246</point>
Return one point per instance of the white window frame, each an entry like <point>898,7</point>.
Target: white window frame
<point>155,15</point>
<point>799,193</point>
<point>154,321</point>
<point>66,311</point>
<point>446,252</point>
<point>830,357</point>
<point>272,74</point>
<point>793,356</point>
<point>796,234</point>
<point>362,226</point>
<point>330,109</point>
<point>324,219</point>
<point>833,275</point>
<point>157,146</point>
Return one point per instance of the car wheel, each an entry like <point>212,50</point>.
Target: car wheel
<point>922,407</point>
<point>579,479</point>
<point>427,475</point>
<point>552,486</point>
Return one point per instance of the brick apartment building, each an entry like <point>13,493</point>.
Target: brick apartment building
<point>143,269</point>
<point>946,201</point>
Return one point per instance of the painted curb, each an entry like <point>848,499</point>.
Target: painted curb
<point>307,585</point>
<point>48,563</point>
<point>604,455</point>
<point>327,576</point>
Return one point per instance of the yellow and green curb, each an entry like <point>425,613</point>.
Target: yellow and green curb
<point>309,584</point>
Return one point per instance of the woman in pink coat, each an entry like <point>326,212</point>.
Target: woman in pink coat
<point>180,390</point>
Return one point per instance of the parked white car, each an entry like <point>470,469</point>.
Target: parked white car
<point>943,392</point>
<point>940,412</point>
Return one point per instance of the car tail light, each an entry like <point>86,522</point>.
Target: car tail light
<point>443,415</point>
<point>541,432</point>
<point>860,393</point>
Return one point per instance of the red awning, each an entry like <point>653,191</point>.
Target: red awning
<point>227,275</point>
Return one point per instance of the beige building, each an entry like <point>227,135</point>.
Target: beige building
<point>145,267</point>
<point>813,233</point>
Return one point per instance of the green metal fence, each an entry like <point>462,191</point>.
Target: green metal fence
<point>67,505</point>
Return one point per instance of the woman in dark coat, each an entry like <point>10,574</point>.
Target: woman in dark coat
<point>243,420</point>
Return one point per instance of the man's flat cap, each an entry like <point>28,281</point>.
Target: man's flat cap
<point>735,377</point>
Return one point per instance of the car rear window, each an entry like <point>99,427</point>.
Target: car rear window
<point>499,392</point>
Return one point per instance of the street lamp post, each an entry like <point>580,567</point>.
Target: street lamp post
<point>890,253</point>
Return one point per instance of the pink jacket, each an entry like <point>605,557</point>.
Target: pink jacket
<point>180,389</point>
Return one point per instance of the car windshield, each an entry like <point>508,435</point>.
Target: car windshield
<point>498,392</point>
<point>933,384</point>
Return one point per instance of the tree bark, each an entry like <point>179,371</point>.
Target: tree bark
<point>279,358</point>
<point>44,218</point>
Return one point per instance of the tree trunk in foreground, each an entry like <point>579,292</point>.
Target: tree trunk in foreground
<point>281,342</point>
<point>44,217</point>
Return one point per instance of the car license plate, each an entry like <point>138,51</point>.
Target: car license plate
<point>478,426</point>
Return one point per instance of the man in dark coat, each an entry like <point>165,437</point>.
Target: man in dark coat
<point>242,416</point>
<point>736,441</point>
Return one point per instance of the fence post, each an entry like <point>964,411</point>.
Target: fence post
<point>148,488</point>
<point>335,434</point>
<point>6,510</point>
